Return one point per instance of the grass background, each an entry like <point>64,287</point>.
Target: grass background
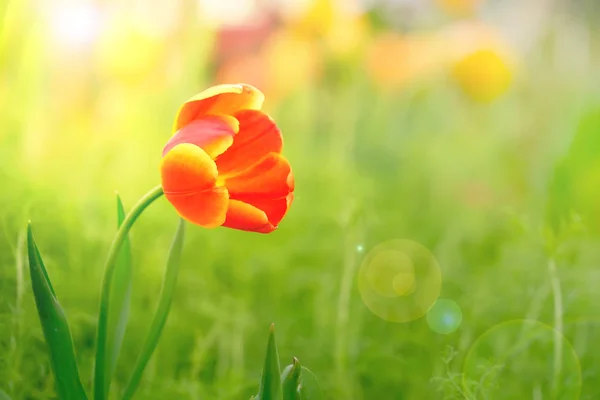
<point>469,181</point>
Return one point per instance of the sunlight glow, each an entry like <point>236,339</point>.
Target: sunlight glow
<point>230,12</point>
<point>75,25</point>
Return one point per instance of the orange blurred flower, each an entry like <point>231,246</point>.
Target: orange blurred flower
<point>285,63</point>
<point>249,68</point>
<point>223,166</point>
<point>394,60</point>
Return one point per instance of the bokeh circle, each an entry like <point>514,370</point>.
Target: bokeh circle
<point>399,280</point>
<point>517,359</point>
<point>444,317</point>
<point>583,333</point>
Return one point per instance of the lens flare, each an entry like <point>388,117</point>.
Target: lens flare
<point>444,317</point>
<point>522,356</point>
<point>399,280</point>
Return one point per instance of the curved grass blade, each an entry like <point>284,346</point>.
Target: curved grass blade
<point>270,383</point>
<point>309,386</point>
<point>3,395</point>
<point>290,378</point>
<point>162,311</point>
<point>120,300</point>
<point>55,327</point>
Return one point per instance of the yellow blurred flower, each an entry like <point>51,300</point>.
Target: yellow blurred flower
<point>394,60</point>
<point>483,75</point>
<point>459,7</point>
<point>315,19</point>
<point>347,35</point>
<point>129,55</point>
<point>340,25</point>
<point>480,60</point>
<point>291,61</point>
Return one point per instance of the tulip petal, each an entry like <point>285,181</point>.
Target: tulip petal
<point>246,217</point>
<point>187,168</point>
<point>275,209</point>
<point>258,136</point>
<point>271,177</point>
<point>219,99</point>
<point>214,134</point>
<point>206,208</point>
<point>188,179</point>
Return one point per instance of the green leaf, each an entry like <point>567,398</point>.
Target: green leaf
<point>55,327</point>
<point>162,311</point>
<point>270,384</point>
<point>290,378</point>
<point>119,304</point>
<point>309,386</point>
<point>3,395</point>
<point>576,176</point>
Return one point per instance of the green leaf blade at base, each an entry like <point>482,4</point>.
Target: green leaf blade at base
<point>162,311</point>
<point>309,386</point>
<point>270,384</point>
<point>55,327</point>
<point>119,304</point>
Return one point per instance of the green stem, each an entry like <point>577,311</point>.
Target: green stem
<point>109,269</point>
<point>161,314</point>
<point>558,322</point>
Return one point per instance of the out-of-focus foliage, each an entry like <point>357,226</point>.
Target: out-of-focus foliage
<point>383,120</point>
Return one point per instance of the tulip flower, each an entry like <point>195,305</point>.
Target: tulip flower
<point>223,165</point>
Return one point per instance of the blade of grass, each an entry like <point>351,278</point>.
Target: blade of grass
<point>109,270</point>
<point>55,327</point>
<point>270,383</point>
<point>309,386</point>
<point>162,311</point>
<point>120,300</point>
<point>290,378</point>
<point>3,395</point>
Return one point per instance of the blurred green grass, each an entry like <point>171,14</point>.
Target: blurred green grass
<point>468,181</point>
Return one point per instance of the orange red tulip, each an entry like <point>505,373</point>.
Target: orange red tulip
<point>223,165</point>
